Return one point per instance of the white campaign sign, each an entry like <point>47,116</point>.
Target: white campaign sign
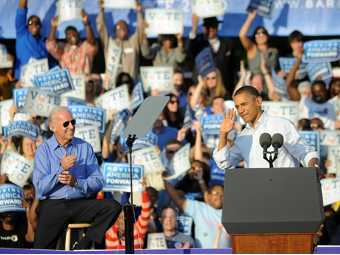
<point>156,241</point>
<point>329,137</point>
<point>333,158</point>
<point>16,167</point>
<point>39,102</point>
<point>113,62</point>
<point>79,85</point>
<point>5,117</point>
<point>69,9</point>
<point>120,4</point>
<point>91,135</point>
<point>116,99</point>
<point>288,110</point>
<point>181,161</point>
<point>330,190</point>
<point>148,157</point>
<point>159,78</point>
<point>209,8</point>
<point>164,21</point>
<point>32,68</point>
<point>5,61</point>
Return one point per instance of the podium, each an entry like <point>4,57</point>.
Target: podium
<point>272,210</point>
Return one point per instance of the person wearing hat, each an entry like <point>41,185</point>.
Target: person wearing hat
<point>222,49</point>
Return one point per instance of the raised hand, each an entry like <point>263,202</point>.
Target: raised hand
<point>228,122</point>
<point>85,17</point>
<point>66,178</point>
<point>55,21</point>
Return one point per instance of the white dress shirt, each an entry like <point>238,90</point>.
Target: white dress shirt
<point>247,146</point>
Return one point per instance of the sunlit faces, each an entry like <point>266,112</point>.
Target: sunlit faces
<point>62,133</point>
<point>257,82</point>
<point>248,106</point>
<point>168,219</point>
<point>297,46</point>
<point>211,80</point>
<point>217,105</point>
<point>34,25</point>
<point>319,93</point>
<point>261,37</point>
<point>121,30</point>
<point>173,104</point>
<point>72,36</point>
<point>28,147</point>
<point>215,197</point>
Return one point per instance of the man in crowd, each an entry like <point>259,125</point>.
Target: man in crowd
<point>75,55</point>
<point>66,177</point>
<point>247,147</point>
<point>131,46</point>
<point>222,49</point>
<point>29,43</point>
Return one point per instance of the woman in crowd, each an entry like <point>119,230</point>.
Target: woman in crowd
<point>258,46</point>
<point>172,114</point>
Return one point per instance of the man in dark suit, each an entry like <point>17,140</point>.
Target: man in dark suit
<point>222,49</point>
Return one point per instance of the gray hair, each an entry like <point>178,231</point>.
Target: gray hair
<point>56,110</point>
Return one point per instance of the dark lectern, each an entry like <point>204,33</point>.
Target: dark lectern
<point>272,210</point>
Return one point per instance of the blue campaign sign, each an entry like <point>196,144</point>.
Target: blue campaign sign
<point>321,51</point>
<point>88,115</point>
<point>23,128</point>
<point>57,81</point>
<point>75,101</point>
<point>307,16</point>
<point>280,85</point>
<point>211,124</point>
<point>205,62</point>
<point>11,197</point>
<point>263,7</point>
<point>137,96</point>
<point>184,224</point>
<point>312,139</point>
<point>117,176</point>
<point>321,71</point>
<point>120,122</point>
<point>19,96</point>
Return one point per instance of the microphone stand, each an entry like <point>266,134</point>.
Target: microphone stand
<point>272,156</point>
<point>128,207</point>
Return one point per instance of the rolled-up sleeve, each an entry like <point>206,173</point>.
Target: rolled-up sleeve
<point>227,157</point>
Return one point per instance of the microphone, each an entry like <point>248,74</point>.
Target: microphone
<point>277,141</point>
<point>265,141</point>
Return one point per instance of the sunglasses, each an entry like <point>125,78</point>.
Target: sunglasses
<point>67,123</point>
<point>34,22</point>
<point>173,102</point>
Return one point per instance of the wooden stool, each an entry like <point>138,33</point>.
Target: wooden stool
<point>68,232</point>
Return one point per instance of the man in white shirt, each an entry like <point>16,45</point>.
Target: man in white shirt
<point>247,147</point>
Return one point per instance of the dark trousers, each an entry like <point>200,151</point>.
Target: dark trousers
<point>55,214</point>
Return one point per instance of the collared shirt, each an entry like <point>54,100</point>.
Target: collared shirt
<point>27,46</point>
<point>47,167</point>
<point>247,146</point>
<point>215,44</point>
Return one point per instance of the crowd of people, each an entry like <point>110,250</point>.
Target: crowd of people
<point>67,184</point>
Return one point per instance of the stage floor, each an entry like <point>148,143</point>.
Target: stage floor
<point>319,250</point>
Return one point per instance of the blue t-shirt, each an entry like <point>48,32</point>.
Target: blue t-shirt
<point>166,135</point>
<point>206,219</point>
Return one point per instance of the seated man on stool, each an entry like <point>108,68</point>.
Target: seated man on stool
<point>66,176</point>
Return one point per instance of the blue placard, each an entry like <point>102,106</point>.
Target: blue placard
<point>205,62</point>
<point>211,124</point>
<point>19,97</point>
<point>312,138</point>
<point>11,197</point>
<point>262,7</point>
<point>321,51</point>
<point>137,96</point>
<point>280,85</point>
<point>88,115</point>
<point>75,101</point>
<point>320,70</point>
<point>286,65</point>
<point>184,224</point>
<point>117,176</point>
<point>57,81</point>
<point>23,128</point>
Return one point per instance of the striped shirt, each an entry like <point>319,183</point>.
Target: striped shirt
<point>112,240</point>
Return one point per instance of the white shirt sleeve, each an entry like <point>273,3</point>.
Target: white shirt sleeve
<point>227,157</point>
<point>296,146</point>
